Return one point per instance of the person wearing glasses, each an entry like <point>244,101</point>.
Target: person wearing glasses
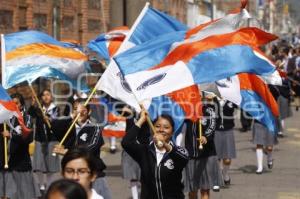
<point>85,134</point>
<point>161,161</point>
<point>80,165</point>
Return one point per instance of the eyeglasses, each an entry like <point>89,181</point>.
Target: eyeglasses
<point>79,172</point>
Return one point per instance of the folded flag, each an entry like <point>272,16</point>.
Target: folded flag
<point>8,109</point>
<point>33,54</point>
<point>250,93</point>
<point>107,44</point>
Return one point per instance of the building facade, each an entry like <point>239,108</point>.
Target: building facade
<point>78,20</point>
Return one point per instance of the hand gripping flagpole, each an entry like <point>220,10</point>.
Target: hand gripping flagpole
<point>39,105</point>
<point>75,120</point>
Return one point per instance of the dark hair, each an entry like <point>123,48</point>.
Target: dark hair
<point>44,90</point>
<point>83,153</point>
<point>167,117</point>
<point>82,101</point>
<point>20,97</point>
<point>68,188</point>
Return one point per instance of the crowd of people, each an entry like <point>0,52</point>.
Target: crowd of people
<point>192,165</point>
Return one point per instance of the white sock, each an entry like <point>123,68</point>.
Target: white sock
<point>113,142</point>
<point>225,172</point>
<point>134,189</point>
<point>259,156</point>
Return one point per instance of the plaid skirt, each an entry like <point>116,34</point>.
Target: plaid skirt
<point>225,144</point>
<point>130,168</point>
<point>43,160</point>
<point>261,135</point>
<point>203,173</point>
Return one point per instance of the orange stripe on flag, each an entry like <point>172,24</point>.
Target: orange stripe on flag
<point>253,37</point>
<point>45,49</point>
<point>254,83</point>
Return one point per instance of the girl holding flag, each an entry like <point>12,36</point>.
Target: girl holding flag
<point>161,161</point>
<point>203,170</point>
<point>19,160</point>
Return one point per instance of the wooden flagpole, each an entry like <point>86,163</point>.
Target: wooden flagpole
<point>5,149</point>
<point>75,120</point>
<point>200,134</point>
<point>39,104</point>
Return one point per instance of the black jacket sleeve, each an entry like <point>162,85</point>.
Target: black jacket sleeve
<point>130,144</point>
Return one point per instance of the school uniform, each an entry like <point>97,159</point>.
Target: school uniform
<point>224,135</point>
<point>161,173</point>
<point>130,168</point>
<point>262,136</point>
<point>19,161</point>
<point>7,182</point>
<point>89,136</point>
<point>203,170</point>
<point>45,140</point>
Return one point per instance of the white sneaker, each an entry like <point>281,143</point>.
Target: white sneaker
<point>216,188</point>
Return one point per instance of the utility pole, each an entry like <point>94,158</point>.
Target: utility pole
<point>56,19</point>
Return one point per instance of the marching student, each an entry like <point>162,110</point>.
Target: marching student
<point>85,134</point>
<point>264,141</point>
<point>80,165</point>
<point>44,164</point>
<point>224,137</point>
<point>19,161</point>
<point>203,170</point>
<point>161,161</point>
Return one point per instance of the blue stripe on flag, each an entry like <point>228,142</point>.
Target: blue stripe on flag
<point>19,39</point>
<point>258,109</point>
<point>153,24</point>
<point>220,63</point>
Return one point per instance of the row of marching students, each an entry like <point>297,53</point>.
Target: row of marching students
<point>161,164</point>
<point>19,181</point>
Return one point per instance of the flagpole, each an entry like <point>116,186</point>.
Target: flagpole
<point>200,134</point>
<point>75,120</point>
<point>39,104</point>
<point>4,138</point>
<point>5,149</point>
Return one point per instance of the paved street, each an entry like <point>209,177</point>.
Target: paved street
<point>282,182</point>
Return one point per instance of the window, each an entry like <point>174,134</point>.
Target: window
<point>68,23</point>
<point>40,22</point>
<point>68,3</point>
<point>94,4</point>
<point>6,19</point>
<point>94,25</point>
<point>22,16</point>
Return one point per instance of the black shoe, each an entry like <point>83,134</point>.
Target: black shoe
<point>112,151</point>
<point>270,164</point>
<point>280,135</point>
<point>227,182</point>
<point>297,108</point>
<point>242,130</point>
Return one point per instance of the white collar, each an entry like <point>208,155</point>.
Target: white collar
<point>51,106</point>
<point>95,195</point>
<point>81,126</point>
